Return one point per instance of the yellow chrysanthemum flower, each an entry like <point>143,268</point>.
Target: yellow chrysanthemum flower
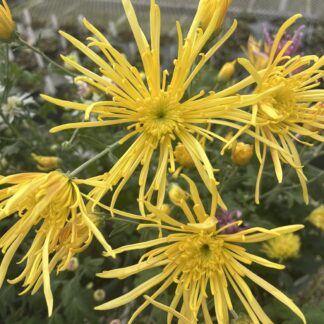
<point>155,112</point>
<point>280,116</point>
<point>316,217</point>
<point>282,247</point>
<point>201,262</point>
<point>7,25</point>
<point>50,207</point>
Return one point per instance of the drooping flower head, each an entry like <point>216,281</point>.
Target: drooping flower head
<point>7,25</point>
<point>201,262</point>
<point>155,111</point>
<point>287,109</point>
<point>50,207</point>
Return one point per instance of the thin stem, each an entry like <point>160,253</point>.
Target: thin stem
<point>124,220</point>
<point>43,55</point>
<point>297,185</point>
<point>74,135</point>
<point>227,177</point>
<point>107,150</point>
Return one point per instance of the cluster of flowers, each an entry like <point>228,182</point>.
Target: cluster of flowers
<point>193,252</point>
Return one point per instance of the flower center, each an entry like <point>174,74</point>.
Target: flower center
<point>160,116</point>
<point>279,106</point>
<point>199,256</point>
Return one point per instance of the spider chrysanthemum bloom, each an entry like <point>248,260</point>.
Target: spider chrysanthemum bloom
<point>201,262</point>
<point>50,207</point>
<point>285,116</point>
<point>7,25</point>
<point>155,111</point>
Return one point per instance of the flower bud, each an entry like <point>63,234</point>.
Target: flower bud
<point>46,163</point>
<point>99,295</point>
<point>258,58</point>
<point>89,285</point>
<point>176,194</point>
<point>3,163</point>
<point>7,25</point>
<point>227,71</point>
<point>54,147</point>
<point>316,217</point>
<point>182,156</point>
<point>166,209</point>
<point>74,57</point>
<point>208,8</point>
<point>66,145</point>
<point>73,264</point>
<point>242,153</point>
<point>282,247</point>
<point>228,137</point>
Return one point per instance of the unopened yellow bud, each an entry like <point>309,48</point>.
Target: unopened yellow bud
<point>228,137</point>
<point>99,295</point>
<point>73,57</point>
<point>183,157</point>
<point>258,57</point>
<point>7,25</point>
<point>176,194</point>
<point>46,163</point>
<point>227,71</point>
<point>73,264</point>
<point>242,153</point>
<point>166,209</point>
<point>208,9</point>
<point>316,217</point>
<point>282,247</point>
<point>89,285</point>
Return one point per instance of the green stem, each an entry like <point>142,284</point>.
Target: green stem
<point>43,55</point>
<point>108,149</point>
<point>227,177</point>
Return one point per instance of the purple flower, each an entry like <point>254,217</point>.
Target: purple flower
<point>227,217</point>
<point>293,49</point>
